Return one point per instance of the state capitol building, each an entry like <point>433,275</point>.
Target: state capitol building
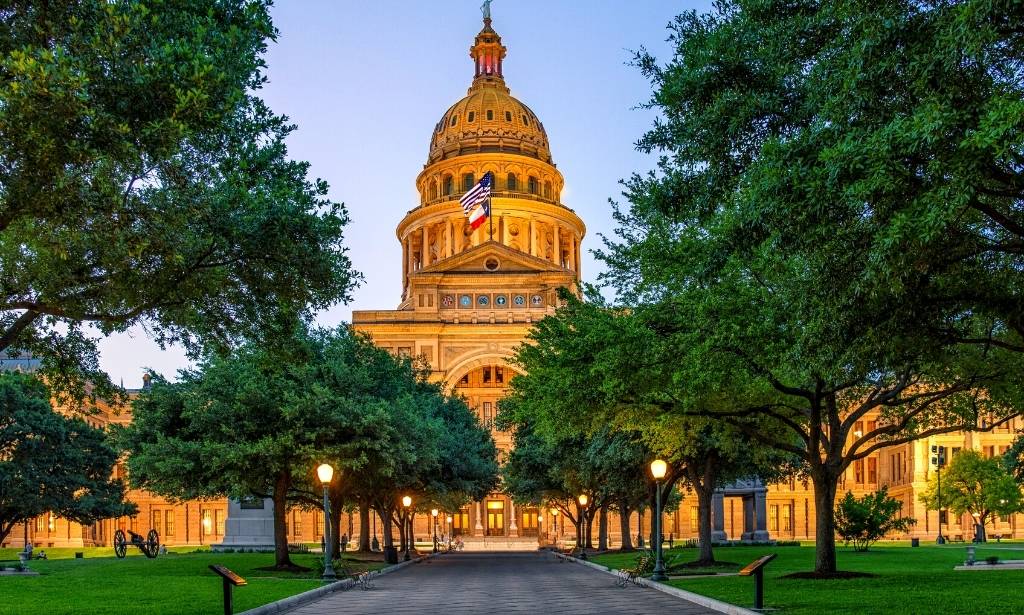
<point>469,297</point>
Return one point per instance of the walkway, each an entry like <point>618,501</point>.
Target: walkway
<point>499,583</point>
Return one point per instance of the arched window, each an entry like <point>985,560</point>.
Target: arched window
<point>547,190</point>
<point>455,118</point>
<point>531,185</point>
<point>490,114</point>
<point>472,115</point>
<point>449,185</point>
<point>467,181</point>
<point>433,190</point>
<point>511,182</point>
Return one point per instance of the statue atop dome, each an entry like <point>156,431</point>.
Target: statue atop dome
<point>485,8</point>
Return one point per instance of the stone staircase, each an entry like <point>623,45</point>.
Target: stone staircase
<point>500,543</point>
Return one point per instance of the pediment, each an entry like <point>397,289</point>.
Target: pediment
<point>491,257</point>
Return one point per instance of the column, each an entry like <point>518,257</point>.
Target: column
<point>405,265</point>
<point>718,517</point>
<point>748,518</point>
<point>572,251</point>
<point>459,237</point>
<point>513,529</point>
<point>761,513</point>
<point>557,247</point>
<point>531,248</point>
<point>577,252</point>
<point>425,259</point>
<point>451,239</point>
<point>479,530</point>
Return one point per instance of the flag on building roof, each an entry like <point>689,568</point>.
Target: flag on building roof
<point>480,192</point>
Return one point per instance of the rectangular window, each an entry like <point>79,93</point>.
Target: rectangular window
<point>990,452</point>
<point>858,429</point>
<point>169,523</point>
<point>487,375</point>
<point>872,470</point>
<point>499,375</point>
<point>319,524</point>
<point>872,425</point>
<point>207,521</point>
<point>694,519</point>
<point>488,412</point>
<point>773,517</point>
<point>858,471</point>
<point>218,518</point>
<point>787,518</point>
<point>155,524</point>
<point>296,523</point>
<point>39,523</point>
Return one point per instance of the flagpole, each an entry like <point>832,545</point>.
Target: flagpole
<point>490,217</point>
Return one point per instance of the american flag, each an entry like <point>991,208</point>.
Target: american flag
<point>478,193</point>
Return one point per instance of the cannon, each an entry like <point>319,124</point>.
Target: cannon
<point>150,545</point>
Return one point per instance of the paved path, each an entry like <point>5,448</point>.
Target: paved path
<point>499,583</point>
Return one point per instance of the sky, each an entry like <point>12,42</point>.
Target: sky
<point>365,82</point>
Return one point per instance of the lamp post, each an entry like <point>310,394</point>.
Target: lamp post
<point>325,473</point>
<point>433,513</point>
<point>407,502</point>
<point>939,460</point>
<point>554,523</point>
<point>449,532</point>
<point>583,500</point>
<point>658,469</point>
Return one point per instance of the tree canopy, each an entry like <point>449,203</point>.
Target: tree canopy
<point>51,462</point>
<point>144,182</point>
<point>975,485</point>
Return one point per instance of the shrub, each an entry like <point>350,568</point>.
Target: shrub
<point>992,560</point>
<point>862,521</point>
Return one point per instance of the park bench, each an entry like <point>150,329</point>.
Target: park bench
<point>635,574</point>
<point>363,580</point>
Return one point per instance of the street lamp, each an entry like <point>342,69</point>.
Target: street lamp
<point>407,502</point>
<point>449,532</point>
<point>939,460</point>
<point>554,523</point>
<point>658,470</point>
<point>583,499</point>
<point>325,473</point>
<point>433,513</point>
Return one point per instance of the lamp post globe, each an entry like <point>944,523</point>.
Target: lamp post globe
<point>325,473</point>
<point>658,470</point>
<point>406,503</point>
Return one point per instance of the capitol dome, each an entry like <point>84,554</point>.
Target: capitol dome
<point>488,119</point>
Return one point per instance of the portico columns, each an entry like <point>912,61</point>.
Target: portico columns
<point>557,245</point>
<point>425,260</point>
<point>718,517</point>
<point>479,530</point>
<point>513,530</point>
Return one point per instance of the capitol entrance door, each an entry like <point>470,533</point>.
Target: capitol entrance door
<point>495,518</point>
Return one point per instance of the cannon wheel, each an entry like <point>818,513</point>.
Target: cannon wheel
<point>120,544</point>
<point>152,544</point>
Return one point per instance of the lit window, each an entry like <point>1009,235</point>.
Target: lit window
<point>499,375</point>
<point>169,523</point>
<point>487,375</point>
<point>218,517</point>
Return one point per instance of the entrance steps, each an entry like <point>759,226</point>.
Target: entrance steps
<point>500,543</point>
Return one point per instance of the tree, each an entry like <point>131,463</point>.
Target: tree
<point>256,422</point>
<point>864,520</point>
<point>977,486</point>
<point>787,145</point>
<point>144,182</point>
<point>52,462</point>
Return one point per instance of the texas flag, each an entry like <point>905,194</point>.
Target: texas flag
<point>476,203</point>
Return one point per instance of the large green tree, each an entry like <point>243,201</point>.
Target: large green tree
<point>794,232</point>
<point>255,422</point>
<point>142,181</point>
<point>51,462</point>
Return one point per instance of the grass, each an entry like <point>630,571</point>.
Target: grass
<point>908,580</point>
<point>178,583</point>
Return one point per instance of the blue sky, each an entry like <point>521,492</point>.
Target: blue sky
<point>366,82</point>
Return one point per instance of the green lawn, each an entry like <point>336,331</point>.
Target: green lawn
<point>920,580</point>
<point>178,583</point>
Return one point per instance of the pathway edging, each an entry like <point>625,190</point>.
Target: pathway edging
<point>704,601</point>
<point>292,602</point>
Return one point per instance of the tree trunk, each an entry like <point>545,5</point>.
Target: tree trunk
<point>281,484</point>
<point>589,528</point>
<point>825,486</point>
<point>335,530</point>
<point>385,521</point>
<point>624,529</point>
<point>602,529</point>
<point>364,527</point>
<point>401,532</point>
<point>704,495</point>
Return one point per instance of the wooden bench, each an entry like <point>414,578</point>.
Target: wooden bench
<point>635,574</point>
<point>363,580</point>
